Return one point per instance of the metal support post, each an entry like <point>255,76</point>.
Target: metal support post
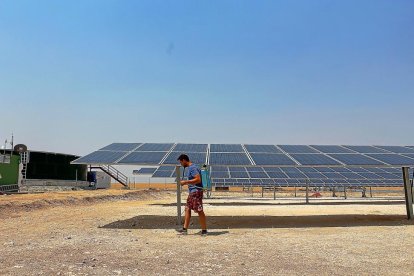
<point>178,180</point>
<point>370,191</point>
<point>307,192</point>
<point>408,190</point>
<point>274,192</point>
<point>345,192</point>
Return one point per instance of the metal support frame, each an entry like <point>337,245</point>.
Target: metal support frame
<point>262,191</point>
<point>178,180</point>
<point>408,190</point>
<point>274,192</point>
<point>370,191</point>
<point>345,196</point>
<point>307,192</point>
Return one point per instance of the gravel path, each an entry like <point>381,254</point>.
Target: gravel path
<point>134,235</point>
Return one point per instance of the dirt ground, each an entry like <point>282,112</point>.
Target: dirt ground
<point>119,232</point>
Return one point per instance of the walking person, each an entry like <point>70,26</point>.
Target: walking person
<point>195,196</point>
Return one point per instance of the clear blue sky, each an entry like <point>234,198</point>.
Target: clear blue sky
<point>77,75</point>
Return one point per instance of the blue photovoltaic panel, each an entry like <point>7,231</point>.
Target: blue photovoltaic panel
<point>307,169</point>
<point>258,175</point>
<point>393,159</point>
<point>369,175</point>
<point>271,159</point>
<point>353,169</point>
<point>396,149</point>
<point>226,148</point>
<point>149,158</point>
<point>155,147</point>
<point>297,149</point>
<point>191,148</point>
<point>166,168</point>
<point>324,169</point>
<point>409,155</point>
<point>314,159</point>
<point>219,174</point>
<point>351,175</point>
<point>365,149</point>
<point>332,149</point>
<point>262,148</point>
<point>293,172</point>
<point>239,174</point>
<point>198,158</point>
<point>387,175</point>
<point>100,157</point>
<point>255,169</point>
<point>229,159</point>
<point>355,159</point>
<point>147,170</point>
<point>333,175</point>
<point>159,173</point>
<point>219,168</point>
<point>275,174</point>
<point>121,146</point>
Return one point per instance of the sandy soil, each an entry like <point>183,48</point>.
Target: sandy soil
<point>118,232</point>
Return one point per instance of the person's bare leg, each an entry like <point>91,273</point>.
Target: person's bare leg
<point>187,218</point>
<point>202,218</point>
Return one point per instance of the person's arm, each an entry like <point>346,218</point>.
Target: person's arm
<point>195,181</point>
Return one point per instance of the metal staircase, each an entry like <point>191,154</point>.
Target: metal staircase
<point>114,173</point>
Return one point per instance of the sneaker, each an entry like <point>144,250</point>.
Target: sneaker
<point>182,231</point>
<point>203,233</point>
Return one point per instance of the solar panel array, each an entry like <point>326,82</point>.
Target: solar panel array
<point>298,176</point>
<point>251,155</point>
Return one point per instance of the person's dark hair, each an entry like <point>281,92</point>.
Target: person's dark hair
<point>183,157</point>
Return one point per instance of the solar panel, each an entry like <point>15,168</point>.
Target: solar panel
<point>314,159</point>
<point>271,159</point>
<point>198,158</point>
<point>297,149</point>
<point>155,147</point>
<point>147,170</point>
<point>191,148</point>
<point>365,149</point>
<point>324,169</point>
<point>258,174</point>
<point>393,159</point>
<point>166,168</point>
<point>409,155</point>
<point>351,175</point>
<point>239,174</point>
<point>121,146</point>
<point>219,174</point>
<point>355,159</point>
<point>229,159</point>
<point>292,172</point>
<point>396,149</point>
<point>100,157</point>
<point>262,148</point>
<point>332,149</point>
<point>219,168</point>
<point>226,148</point>
<point>159,173</point>
<point>369,175</point>
<point>333,175</point>
<point>149,158</point>
<point>274,174</point>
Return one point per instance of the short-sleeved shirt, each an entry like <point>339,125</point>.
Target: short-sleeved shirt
<point>192,172</point>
